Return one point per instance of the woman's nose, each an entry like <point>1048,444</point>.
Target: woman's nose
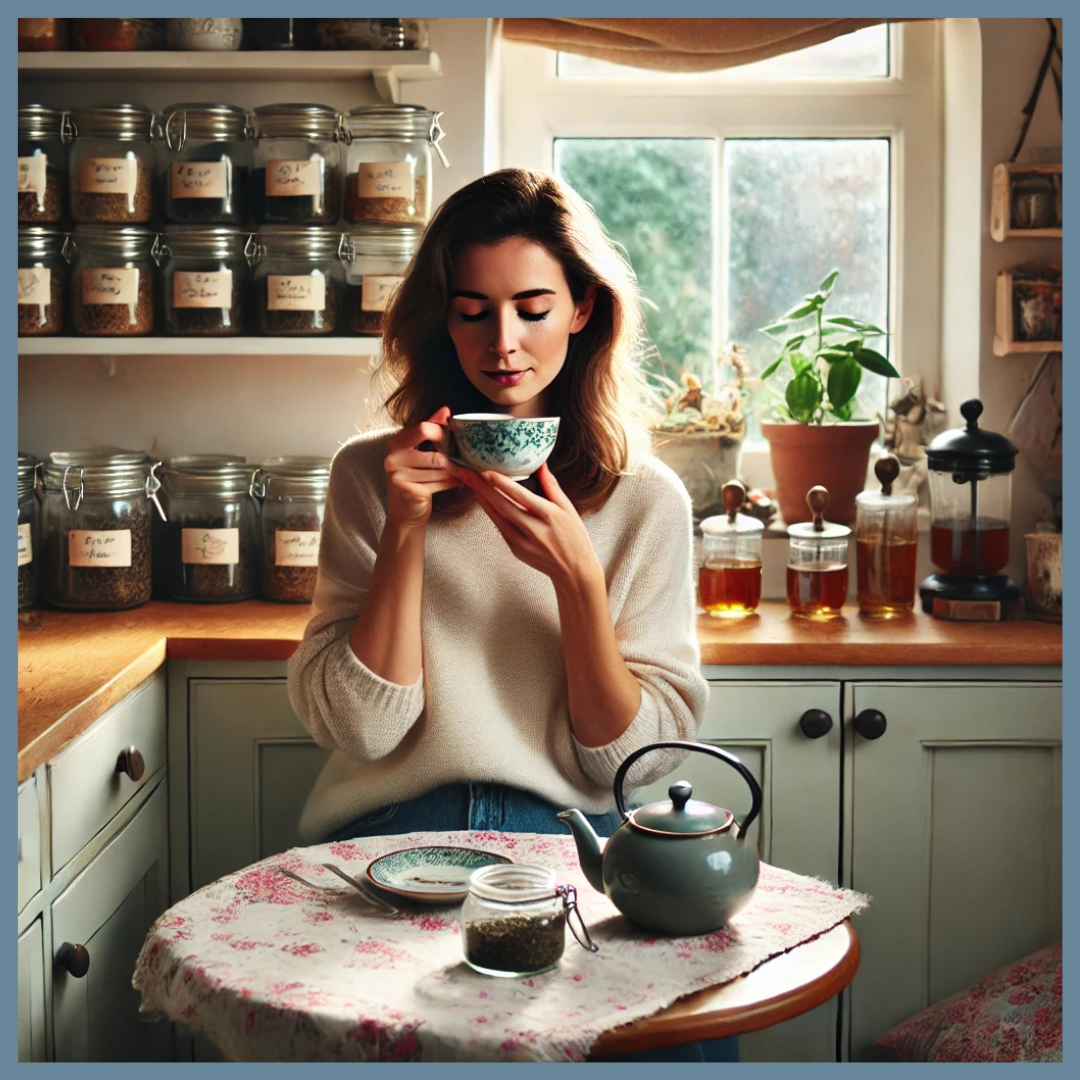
<point>504,343</point>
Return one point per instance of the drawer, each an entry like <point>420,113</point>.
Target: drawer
<point>29,843</point>
<point>86,783</point>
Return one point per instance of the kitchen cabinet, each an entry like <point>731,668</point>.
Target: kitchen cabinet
<point>32,994</point>
<point>953,824</point>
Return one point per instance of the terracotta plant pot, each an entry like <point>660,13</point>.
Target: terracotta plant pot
<point>834,455</point>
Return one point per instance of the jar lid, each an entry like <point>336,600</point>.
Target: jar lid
<point>217,475</point>
<point>513,883</point>
<point>804,530</point>
<point>681,814</point>
<point>305,475</point>
<point>123,121</point>
<point>40,122</point>
<point>313,243</point>
<point>132,241</point>
<point>723,525</point>
<point>388,120</point>
<point>385,239</point>
<point>297,121</point>
<point>202,120</point>
<point>40,241</point>
<point>209,240</point>
<point>970,449</point>
<point>100,471</point>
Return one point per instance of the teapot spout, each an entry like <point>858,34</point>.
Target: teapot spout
<point>588,847</point>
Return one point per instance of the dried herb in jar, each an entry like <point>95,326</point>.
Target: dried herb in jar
<point>281,321</point>
<point>207,211</point>
<point>209,582</point>
<point>289,584</point>
<point>44,318</point>
<point>296,209</point>
<point>361,321</point>
<point>524,943</point>
<point>46,209</point>
<point>393,208</point>
<point>118,319</point>
<point>116,208</point>
<point>27,585</point>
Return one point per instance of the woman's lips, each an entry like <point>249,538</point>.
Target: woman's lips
<point>507,378</point>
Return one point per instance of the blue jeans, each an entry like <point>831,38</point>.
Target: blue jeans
<point>499,808</point>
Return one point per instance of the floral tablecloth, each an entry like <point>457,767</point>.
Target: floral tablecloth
<point>269,970</point>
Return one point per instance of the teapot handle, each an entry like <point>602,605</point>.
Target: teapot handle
<point>703,748</point>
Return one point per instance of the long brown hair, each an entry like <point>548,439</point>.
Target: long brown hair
<point>598,392</point>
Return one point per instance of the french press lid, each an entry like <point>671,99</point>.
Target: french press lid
<point>732,522</point>
<point>971,450</point>
<point>817,498</point>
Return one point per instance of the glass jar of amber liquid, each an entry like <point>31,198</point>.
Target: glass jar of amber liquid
<point>886,544</point>
<point>817,571</point>
<point>729,581</point>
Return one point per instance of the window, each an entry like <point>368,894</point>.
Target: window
<point>736,192</point>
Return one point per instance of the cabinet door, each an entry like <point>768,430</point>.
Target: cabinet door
<point>956,833</point>
<point>31,994</point>
<point>252,766</point>
<point>799,826</point>
<point>109,909</point>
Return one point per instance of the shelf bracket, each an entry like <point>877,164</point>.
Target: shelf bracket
<point>108,362</point>
<point>387,85</point>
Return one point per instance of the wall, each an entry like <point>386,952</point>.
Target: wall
<point>257,406</point>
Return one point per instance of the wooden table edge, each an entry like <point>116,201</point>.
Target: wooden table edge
<point>673,1026</point>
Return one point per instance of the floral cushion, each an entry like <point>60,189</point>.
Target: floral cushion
<point>1013,1014</point>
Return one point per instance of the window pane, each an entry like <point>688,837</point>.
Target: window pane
<point>861,55</point>
<point>655,197</point>
<point>797,209</point>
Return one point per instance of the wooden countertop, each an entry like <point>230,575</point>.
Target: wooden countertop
<point>72,666</point>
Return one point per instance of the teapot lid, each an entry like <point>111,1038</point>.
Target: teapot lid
<point>681,815</point>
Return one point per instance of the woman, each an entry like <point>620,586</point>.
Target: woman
<point>482,655</point>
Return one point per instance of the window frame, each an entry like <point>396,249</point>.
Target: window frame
<point>537,107</point>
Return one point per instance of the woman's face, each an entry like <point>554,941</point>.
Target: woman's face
<point>511,316</point>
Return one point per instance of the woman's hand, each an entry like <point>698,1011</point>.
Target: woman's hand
<point>413,474</point>
<point>546,534</point>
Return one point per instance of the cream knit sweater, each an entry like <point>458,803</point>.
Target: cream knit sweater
<point>491,702</point>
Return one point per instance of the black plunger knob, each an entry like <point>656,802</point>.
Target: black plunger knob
<point>815,723</point>
<point>870,724</point>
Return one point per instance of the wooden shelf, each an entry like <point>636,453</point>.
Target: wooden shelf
<point>1001,203</point>
<point>200,346</point>
<point>388,68</point>
<point>1004,330</point>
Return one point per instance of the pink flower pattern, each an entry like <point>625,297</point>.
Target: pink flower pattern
<point>299,975</point>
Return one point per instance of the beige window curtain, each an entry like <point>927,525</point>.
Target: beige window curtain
<point>680,44</point>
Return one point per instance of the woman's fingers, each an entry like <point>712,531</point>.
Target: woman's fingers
<point>552,489</point>
<point>518,495</point>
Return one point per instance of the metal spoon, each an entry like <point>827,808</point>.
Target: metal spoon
<point>362,889</point>
<point>378,905</point>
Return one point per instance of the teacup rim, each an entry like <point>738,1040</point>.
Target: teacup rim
<point>480,417</point>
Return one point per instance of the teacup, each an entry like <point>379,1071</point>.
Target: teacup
<point>513,446</point>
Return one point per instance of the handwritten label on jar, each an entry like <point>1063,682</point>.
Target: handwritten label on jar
<point>26,547</point>
<point>290,292</point>
<point>32,173</point>
<point>217,547</point>
<point>93,548</point>
<point>110,286</point>
<point>35,283</point>
<point>200,180</point>
<point>294,177</point>
<point>386,180</point>
<point>108,176</point>
<point>376,290</point>
<point>192,289</point>
<point>296,548</point>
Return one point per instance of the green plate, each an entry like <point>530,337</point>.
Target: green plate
<point>431,875</point>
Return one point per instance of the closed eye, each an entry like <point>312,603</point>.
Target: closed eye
<point>528,316</point>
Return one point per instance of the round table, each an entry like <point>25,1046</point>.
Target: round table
<point>783,987</point>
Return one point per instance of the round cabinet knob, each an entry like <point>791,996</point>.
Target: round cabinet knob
<point>131,762</point>
<point>74,959</point>
<point>815,723</point>
<point>870,724</point>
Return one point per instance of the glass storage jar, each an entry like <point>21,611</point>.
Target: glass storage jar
<point>298,278</point>
<point>351,33</point>
<point>375,258</point>
<point>42,35</point>
<point>207,165</point>
<point>41,164</point>
<point>29,538</point>
<point>886,546</point>
<point>112,280</point>
<point>43,273</point>
<point>95,527</point>
<point>297,176</point>
<point>117,35</point>
<point>729,581</point>
<point>270,34</point>
<point>817,570</point>
<point>209,35</point>
<point>211,544</point>
<point>388,163</point>
<point>292,498</point>
<point>111,167</point>
<point>204,279</point>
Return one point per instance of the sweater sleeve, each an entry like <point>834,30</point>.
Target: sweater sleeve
<point>651,594</point>
<point>338,699</point>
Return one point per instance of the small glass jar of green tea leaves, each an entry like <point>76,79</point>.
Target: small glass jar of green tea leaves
<point>513,922</point>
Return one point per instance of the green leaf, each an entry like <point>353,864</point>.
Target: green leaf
<point>844,378</point>
<point>826,287</point>
<point>834,353</point>
<point>773,366</point>
<point>775,329</point>
<point>803,396</point>
<point>843,413</point>
<point>855,324</point>
<point>875,362</point>
<point>800,362</point>
<point>794,341</point>
<point>801,310</point>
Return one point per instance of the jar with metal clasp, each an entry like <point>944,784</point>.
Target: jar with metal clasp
<point>29,530</point>
<point>41,164</point>
<point>298,277</point>
<point>112,279</point>
<point>204,277</point>
<point>43,271</point>
<point>375,256</point>
<point>207,170</point>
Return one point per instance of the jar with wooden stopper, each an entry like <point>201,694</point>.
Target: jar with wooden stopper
<point>817,571</point>
<point>729,581</point>
<point>886,544</point>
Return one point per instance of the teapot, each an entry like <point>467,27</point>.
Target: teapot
<point>678,866</point>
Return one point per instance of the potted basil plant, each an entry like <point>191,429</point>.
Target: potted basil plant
<point>817,438</point>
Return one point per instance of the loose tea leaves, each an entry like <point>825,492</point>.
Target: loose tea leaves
<point>296,209</point>
<point>46,207</point>
<point>120,319</point>
<point>118,208</point>
<point>207,582</point>
<point>288,584</point>
<point>283,321</point>
<point>522,944</point>
<point>394,208</point>
<point>45,318</point>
